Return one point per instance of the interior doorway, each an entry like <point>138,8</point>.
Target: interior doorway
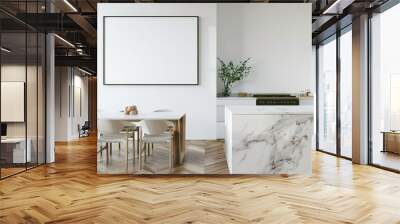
<point>75,103</point>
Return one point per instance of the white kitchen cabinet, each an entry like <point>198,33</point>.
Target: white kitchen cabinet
<point>249,101</point>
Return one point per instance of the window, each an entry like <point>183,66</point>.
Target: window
<point>335,94</point>
<point>327,96</point>
<point>346,94</point>
<point>385,89</point>
<point>394,101</point>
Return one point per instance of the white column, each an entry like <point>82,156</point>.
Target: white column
<point>360,90</point>
<point>50,100</point>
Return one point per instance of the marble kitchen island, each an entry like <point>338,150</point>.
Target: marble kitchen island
<point>269,139</point>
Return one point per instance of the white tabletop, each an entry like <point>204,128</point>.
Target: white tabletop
<point>141,116</point>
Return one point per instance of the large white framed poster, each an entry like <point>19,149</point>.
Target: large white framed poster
<point>12,101</point>
<point>151,50</point>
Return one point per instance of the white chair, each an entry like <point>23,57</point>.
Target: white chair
<point>150,147</point>
<point>106,142</point>
<point>155,131</point>
<point>131,130</point>
<point>108,134</point>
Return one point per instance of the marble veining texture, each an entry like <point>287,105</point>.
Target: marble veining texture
<point>272,144</point>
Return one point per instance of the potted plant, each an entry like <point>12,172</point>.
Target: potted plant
<point>230,73</point>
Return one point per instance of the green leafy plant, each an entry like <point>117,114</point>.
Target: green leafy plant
<point>230,73</point>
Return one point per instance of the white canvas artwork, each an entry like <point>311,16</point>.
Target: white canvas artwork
<point>12,101</point>
<point>151,50</point>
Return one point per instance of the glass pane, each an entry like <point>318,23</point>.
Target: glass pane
<point>346,94</point>
<point>41,98</point>
<point>385,84</point>
<point>31,98</point>
<point>327,97</point>
<point>13,89</point>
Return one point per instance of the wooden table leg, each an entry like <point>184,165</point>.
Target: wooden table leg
<point>179,141</point>
<point>175,145</point>
<point>107,155</point>
<point>182,139</point>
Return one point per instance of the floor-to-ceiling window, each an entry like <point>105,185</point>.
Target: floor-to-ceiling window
<point>334,108</point>
<point>22,77</point>
<point>346,92</point>
<point>327,95</point>
<point>385,89</point>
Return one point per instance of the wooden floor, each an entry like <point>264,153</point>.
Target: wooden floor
<point>70,191</point>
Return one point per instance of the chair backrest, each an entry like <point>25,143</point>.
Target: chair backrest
<point>128,123</point>
<point>168,123</point>
<point>154,127</point>
<point>162,110</point>
<point>109,127</point>
<point>86,125</point>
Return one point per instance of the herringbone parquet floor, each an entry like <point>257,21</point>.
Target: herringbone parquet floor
<point>70,191</point>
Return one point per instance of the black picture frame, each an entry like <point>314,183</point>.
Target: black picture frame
<point>145,84</point>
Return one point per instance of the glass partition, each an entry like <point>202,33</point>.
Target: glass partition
<point>13,94</point>
<point>22,64</point>
<point>31,99</point>
<point>41,97</point>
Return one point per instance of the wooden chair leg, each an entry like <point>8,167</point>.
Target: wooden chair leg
<point>110,148</point>
<point>133,148</point>
<point>140,158</point>
<point>127,155</point>
<point>145,151</point>
<point>107,155</point>
<point>138,140</point>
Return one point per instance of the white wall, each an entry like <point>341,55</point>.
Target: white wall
<point>82,82</point>
<point>66,121</point>
<point>198,102</point>
<point>277,38</point>
<point>61,103</point>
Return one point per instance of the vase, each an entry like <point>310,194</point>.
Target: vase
<point>227,90</point>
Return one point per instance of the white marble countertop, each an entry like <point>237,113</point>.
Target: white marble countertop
<point>244,109</point>
<point>141,116</point>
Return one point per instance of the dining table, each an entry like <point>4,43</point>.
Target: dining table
<point>177,118</point>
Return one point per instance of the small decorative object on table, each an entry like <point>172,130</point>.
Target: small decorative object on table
<point>307,92</point>
<point>230,73</point>
<point>131,110</point>
<point>243,94</point>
